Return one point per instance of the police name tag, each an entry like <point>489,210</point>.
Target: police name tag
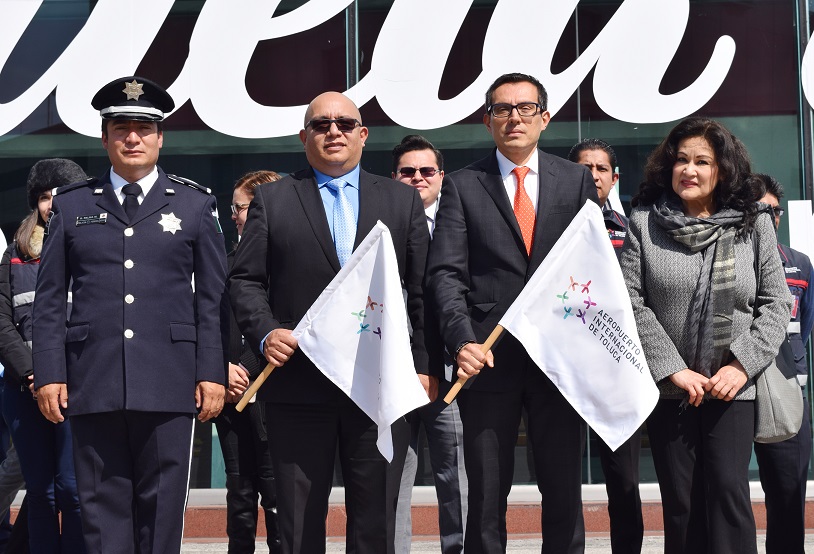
<point>91,219</point>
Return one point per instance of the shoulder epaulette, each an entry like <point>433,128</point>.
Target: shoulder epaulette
<point>189,183</point>
<point>73,186</point>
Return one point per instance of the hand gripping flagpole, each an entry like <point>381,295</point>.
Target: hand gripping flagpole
<point>485,347</point>
<point>252,390</point>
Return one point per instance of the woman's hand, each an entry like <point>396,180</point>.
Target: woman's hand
<point>692,382</point>
<point>238,383</point>
<point>31,388</point>
<point>725,384</point>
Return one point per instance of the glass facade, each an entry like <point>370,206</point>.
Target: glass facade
<point>760,100</point>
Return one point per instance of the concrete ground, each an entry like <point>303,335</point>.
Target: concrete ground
<point>596,544</point>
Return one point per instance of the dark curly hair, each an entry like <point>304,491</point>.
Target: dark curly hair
<point>735,188</point>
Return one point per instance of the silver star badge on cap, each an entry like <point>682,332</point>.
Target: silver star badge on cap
<point>133,90</point>
<point>170,223</point>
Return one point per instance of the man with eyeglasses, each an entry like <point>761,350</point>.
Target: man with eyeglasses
<point>419,164</point>
<point>498,218</point>
<point>299,233</point>
<point>783,466</point>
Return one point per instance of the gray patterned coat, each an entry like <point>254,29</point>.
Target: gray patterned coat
<point>661,277</point>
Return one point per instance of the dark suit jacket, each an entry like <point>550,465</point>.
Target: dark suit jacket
<point>478,263</point>
<point>286,258</point>
<point>179,336</point>
<point>240,351</point>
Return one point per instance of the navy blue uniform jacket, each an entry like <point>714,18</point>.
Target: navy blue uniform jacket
<point>139,337</point>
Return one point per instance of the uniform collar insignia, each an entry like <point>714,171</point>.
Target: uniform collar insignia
<point>170,223</point>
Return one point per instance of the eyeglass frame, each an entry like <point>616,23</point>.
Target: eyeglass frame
<point>538,108</point>
<point>778,211</point>
<point>237,208</point>
<point>324,120</point>
<point>422,170</point>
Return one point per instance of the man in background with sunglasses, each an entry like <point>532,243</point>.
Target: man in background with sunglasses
<point>300,232</point>
<point>418,163</point>
<point>497,220</point>
<point>784,465</point>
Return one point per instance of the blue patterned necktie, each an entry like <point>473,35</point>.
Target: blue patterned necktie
<point>344,221</point>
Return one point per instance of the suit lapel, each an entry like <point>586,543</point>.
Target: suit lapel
<point>109,202</point>
<point>492,181</point>
<point>369,205</point>
<point>546,196</point>
<point>308,193</point>
<point>155,199</point>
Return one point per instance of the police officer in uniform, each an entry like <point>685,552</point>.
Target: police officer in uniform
<point>621,467</point>
<point>783,466</point>
<point>142,255</point>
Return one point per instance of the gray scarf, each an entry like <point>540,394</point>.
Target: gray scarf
<point>710,318</point>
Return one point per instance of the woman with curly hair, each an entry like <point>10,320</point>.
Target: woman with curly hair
<point>711,317</point>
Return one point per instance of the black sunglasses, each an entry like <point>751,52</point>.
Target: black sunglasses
<point>426,172</point>
<point>344,124</point>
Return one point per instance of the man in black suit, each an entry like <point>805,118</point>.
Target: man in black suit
<point>144,348</point>
<point>299,233</point>
<point>497,220</point>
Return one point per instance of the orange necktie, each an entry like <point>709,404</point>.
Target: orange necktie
<point>523,208</point>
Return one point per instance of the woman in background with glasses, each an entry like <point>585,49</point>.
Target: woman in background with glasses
<point>242,435</point>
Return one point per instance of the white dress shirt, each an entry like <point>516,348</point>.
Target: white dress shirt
<point>146,183</point>
<point>531,183</point>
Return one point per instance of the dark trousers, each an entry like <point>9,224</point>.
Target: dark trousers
<point>783,474</point>
<point>249,474</point>
<point>702,463</point>
<point>46,459</point>
<point>557,433</point>
<point>132,469</point>
<point>303,439</point>
<point>621,469</point>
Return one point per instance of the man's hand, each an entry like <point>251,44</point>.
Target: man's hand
<point>471,360</point>
<point>209,399</point>
<point>50,398</point>
<point>430,385</point>
<point>692,382</point>
<point>31,388</point>
<point>726,383</point>
<point>279,347</point>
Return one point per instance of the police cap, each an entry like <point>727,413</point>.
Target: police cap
<point>133,98</point>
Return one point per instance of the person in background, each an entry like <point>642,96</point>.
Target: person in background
<point>242,435</point>
<point>783,466</point>
<point>418,163</point>
<point>45,450</point>
<point>621,467</point>
<point>710,317</point>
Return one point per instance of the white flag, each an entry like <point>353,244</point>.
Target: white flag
<point>575,320</point>
<point>356,334</point>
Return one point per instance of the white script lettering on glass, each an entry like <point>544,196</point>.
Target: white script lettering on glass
<point>631,56</point>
